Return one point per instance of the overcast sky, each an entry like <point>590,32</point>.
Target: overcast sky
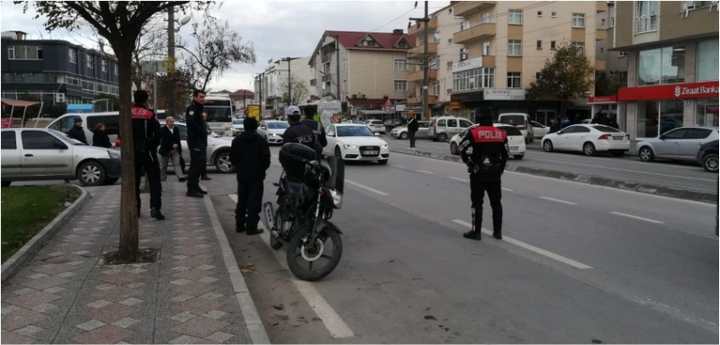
<point>276,28</point>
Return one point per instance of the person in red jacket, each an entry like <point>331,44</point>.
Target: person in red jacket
<point>486,165</point>
<point>146,137</point>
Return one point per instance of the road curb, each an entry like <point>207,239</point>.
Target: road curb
<point>588,179</point>
<point>253,323</point>
<point>26,253</point>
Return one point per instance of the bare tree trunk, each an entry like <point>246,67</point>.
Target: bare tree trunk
<point>128,246</point>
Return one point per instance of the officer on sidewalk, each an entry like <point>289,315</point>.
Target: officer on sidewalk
<point>146,136</point>
<point>250,155</point>
<point>197,143</point>
<point>486,165</point>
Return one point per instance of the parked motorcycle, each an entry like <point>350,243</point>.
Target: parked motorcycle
<point>309,190</point>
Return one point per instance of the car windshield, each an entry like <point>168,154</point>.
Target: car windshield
<point>514,120</point>
<point>511,131</point>
<point>217,114</point>
<point>62,136</point>
<point>237,121</point>
<point>277,125</point>
<point>354,131</point>
<point>606,129</point>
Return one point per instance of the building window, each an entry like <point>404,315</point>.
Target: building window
<point>88,61</point>
<point>115,68</point>
<point>11,53</point>
<point>449,65</point>
<point>646,13</point>
<point>103,65</point>
<point>539,45</point>
<point>401,65</point>
<point>487,17</point>
<point>515,17</point>
<point>513,80</point>
<point>578,20</point>
<point>72,55</point>
<point>706,113</point>
<point>464,25</point>
<point>552,45</point>
<point>25,53</point>
<point>539,14</point>
<point>706,61</point>
<point>435,88</point>
<point>474,79</point>
<point>580,46</point>
<point>463,54</point>
<point>514,48</point>
<point>662,65</point>
<point>553,14</point>
<point>400,85</point>
<point>486,48</point>
<point>694,5</point>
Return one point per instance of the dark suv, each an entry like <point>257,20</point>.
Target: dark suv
<point>707,156</point>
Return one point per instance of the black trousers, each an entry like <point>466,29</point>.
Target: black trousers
<point>478,188</point>
<point>197,162</point>
<point>411,136</point>
<point>146,163</point>
<point>249,202</point>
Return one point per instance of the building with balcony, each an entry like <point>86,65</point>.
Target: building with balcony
<point>365,70</point>
<point>55,72</point>
<point>272,83</point>
<point>672,65</point>
<point>504,44</point>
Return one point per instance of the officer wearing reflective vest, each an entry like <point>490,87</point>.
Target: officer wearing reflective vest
<point>484,150</point>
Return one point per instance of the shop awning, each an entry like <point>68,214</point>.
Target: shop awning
<point>680,91</point>
<point>17,103</point>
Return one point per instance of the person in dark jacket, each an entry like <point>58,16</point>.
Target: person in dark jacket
<point>197,143</point>
<point>250,155</point>
<point>146,136</point>
<point>318,130</point>
<point>100,137</point>
<point>412,127</point>
<point>297,132</point>
<point>486,165</point>
<point>77,132</point>
<point>170,149</point>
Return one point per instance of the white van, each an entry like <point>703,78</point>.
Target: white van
<point>89,120</point>
<point>445,127</point>
<point>520,121</point>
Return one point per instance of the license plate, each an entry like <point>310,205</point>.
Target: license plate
<point>370,153</point>
<point>513,148</point>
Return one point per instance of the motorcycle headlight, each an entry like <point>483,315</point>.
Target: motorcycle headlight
<point>114,154</point>
<point>349,147</point>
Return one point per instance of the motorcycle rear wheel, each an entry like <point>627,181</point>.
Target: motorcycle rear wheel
<point>314,262</point>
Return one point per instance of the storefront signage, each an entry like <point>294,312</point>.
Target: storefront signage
<point>504,94</point>
<point>602,100</point>
<point>675,91</point>
<point>468,64</point>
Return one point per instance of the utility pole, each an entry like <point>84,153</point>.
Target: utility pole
<point>337,66</point>
<point>172,93</point>
<point>288,59</point>
<point>425,62</point>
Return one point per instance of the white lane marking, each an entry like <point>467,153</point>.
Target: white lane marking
<point>530,247</point>
<point>558,200</point>
<point>507,189</point>
<point>253,322</point>
<point>463,180</point>
<point>637,217</point>
<point>369,189</point>
<point>425,172</point>
<point>330,318</point>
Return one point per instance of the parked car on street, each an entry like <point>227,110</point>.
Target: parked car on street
<point>679,144</point>
<point>707,156</point>
<point>444,127</point>
<point>218,150</point>
<point>516,141</point>
<point>237,126</point>
<point>46,154</point>
<point>423,132</point>
<point>520,121</point>
<point>538,129</point>
<point>588,139</point>
<point>354,142</point>
<point>273,131</point>
<point>111,119</point>
<point>376,126</point>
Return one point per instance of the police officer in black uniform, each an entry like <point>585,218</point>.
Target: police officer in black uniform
<point>297,132</point>
<point>146,137</point>
<point>197,143</point>
<point>318,130</point>
<point>486,165</point>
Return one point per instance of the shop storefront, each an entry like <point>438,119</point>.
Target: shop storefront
<point>653,110</point>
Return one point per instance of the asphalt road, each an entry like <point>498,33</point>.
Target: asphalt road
<point>676,175</point>
<point>578,264</point>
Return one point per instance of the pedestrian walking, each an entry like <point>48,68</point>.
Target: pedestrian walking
<point>197,143</point>
<point>250,155</point>
<point>486,165</point>
<point>412,127</point>
<point>146,136</point>
<point>170,149</point>
<point>100,137</point>
<point>77,132</point>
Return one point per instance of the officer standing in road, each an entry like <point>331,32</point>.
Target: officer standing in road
<point>486,165</point>
<point>412,127</point>
<point>318,130</point>
<point>146,136</point>
<point>297,132</point>
<point>250,155</point>
<point>197,143</point>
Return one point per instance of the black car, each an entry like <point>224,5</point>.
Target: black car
<point>707,156</point>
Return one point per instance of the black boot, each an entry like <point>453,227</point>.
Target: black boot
<point>473,235</point>
<point>497,235</point>
<point>239,227</point>
<point>155,213</point>
<point>253,230</point>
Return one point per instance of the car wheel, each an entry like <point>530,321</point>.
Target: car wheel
<point>6,183</point>
<point>442,137</point>
<point>646,154</point>
<point>589,149</point>
<point>453,148</point>
<point>518,157</point>
<point>547,146</point>
<point>710,162</point>
<point>383,161</point>
<point>403,135</point>
<point>111,180</point>
<point>222,162</point>
<point>91,173</point>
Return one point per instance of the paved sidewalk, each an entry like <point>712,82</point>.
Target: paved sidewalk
<point>67,295</point>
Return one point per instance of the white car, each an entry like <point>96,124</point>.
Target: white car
<point>376,126</point>
<point>516,141</point>
<point>218,149</point>
<point>588,139</point>
<point>43,154</point>
<point>354,142</point>
<point>538,129</point>
<point>237,126</point>
<point>273,130</point>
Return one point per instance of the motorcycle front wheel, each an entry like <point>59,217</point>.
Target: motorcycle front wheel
<point>314,261</point>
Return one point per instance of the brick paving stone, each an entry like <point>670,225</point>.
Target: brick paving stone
<point>20,318</point>
<point>200,327</point>
<point>90,325</point>
<point>186,339</point>
<point>44,283</point>
<point>220,337</point>
<point>107,334</point>
<point>125,322</point>
<point>14,338</point>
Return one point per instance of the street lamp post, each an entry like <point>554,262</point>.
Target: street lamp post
<point>288,59</point>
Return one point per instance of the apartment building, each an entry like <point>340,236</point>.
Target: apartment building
<point>442,54</point>
<point>506,43</point>
<point>272,83</point>
<point>367,71</point>
<point>671,49</point>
